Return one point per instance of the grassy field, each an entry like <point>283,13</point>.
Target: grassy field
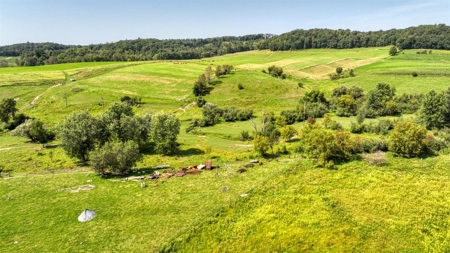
<point>402,207</point>
<point>39,212</point>
<point>359,208</point>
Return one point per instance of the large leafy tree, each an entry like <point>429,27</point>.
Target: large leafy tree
<point>115,157</point>
<point>433,111</point>
<point>120,123</point>
<point>380,101</point>
<point>165,129</point>
<point>407,139</point>
<point>78,134</point>
<point>7,109</point>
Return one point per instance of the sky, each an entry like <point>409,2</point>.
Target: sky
<point>84,22</point>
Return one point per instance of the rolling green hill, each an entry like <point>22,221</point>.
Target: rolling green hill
<point>284,205</point>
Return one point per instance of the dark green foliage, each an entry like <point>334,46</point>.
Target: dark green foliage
<point>370,145</point>
<point>425,36</point>
<point>334,76</point>
<point>407,139</point>
<point>339,70</point>
<point>276,71</point>
<point>408,103</point>
<point>245,136</point>
<point>414,74</point>
<point>314,96</point>
<point>315,110</point>
<point>7,109</point>
<point>78,134</point>
<point>292,116</point>
<point>393,51</point>
<point>16,121</point>
<point>434,145</point>
<point>132,101</point>
<point>231,114</point>
<point>325,145</point>
<point>351,73</point>
<point>240,86</point>
<point>357,128</point>
<point>211,114</point>
<point>115,157</point>
<point>379,101</point>
<point>432,111</point>
<point>223,70</point>
<point>345,106</point>
<point>200,86</point>
<point>200,101</point>
<point>34,130</point>
<point>165,129</point>
<point>300,85</point>
<point>382,126</point>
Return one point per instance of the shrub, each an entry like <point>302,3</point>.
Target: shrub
<point>200,101</point>
<point>333,76</point>
<point>434,145</point>
<point>276,71</point>
<point>339,70</point>
<point>245,136</point>
<point>414,74</point>
<point>300,85</point>
<point>407,139</point>
<point>240,86</point>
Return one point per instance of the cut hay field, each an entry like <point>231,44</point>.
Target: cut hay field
<point>291,206</point>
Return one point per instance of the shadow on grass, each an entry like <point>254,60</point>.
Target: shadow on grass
<point>190,152</point>
<point>51,146</point>
<point>215,82</point>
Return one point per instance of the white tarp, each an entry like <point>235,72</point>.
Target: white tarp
<point>86,215</point>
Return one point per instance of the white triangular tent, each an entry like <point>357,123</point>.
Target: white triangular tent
<point>86,215</point>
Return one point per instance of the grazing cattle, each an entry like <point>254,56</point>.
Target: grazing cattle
<point>241,170</point>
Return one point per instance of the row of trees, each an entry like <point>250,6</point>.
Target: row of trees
<point>113,140</point>
<point>425,36</point>
<point>327,146</point>
<point>201,85</point>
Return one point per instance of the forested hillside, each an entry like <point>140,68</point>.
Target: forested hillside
<point>34,54</point>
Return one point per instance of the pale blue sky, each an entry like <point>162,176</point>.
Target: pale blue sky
<point>83,22</point>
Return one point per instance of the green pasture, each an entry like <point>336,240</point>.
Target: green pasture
<point>432,69</point>
<point>39,212</point>
<point>290,208</point>
<point>402,207</point>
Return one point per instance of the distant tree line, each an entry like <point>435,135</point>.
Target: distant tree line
<point>424,36</point>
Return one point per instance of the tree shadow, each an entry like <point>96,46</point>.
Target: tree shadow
<point>147,148</point>
<point>190,152</point>
<point>51,146</point>
<point>215,82</point>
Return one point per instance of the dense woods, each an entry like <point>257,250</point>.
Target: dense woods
<point>33,54</point>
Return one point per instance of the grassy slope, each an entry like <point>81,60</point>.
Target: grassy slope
<point>42,214</point>
<point>162,85</point>
<point>402,207</point>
